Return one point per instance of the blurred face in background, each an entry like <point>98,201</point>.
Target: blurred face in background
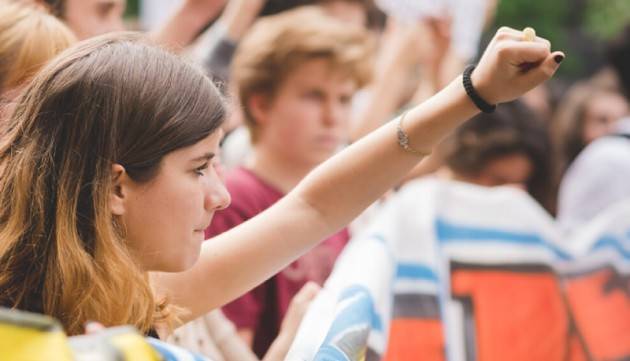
<point>506,170</point>
<point>307,119</point>
<point>88,18</point>
<point>601,114</point>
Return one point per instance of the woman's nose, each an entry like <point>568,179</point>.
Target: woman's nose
<point>218,197</point>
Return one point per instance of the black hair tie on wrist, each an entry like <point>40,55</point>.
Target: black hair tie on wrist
<point>483,105</point>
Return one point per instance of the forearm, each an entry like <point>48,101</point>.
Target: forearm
<point>239,17</point>
<point>187,22</point>
<point>235,21</point>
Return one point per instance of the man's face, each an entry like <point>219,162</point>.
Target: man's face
<point>307,119</point>
<point>88,18</point>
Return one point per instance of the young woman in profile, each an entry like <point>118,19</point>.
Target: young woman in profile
<point>106,174</point>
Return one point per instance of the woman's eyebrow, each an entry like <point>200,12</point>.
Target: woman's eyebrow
<point>206,156</point>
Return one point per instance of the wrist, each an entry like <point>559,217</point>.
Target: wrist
<point>461,99</point>
<point>481,88</point>
<point>480,101</point>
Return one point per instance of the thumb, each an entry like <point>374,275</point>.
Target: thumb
<point>546,69</point>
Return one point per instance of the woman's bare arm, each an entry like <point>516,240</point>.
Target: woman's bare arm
<point>186,23</point>
<point>338,190</point>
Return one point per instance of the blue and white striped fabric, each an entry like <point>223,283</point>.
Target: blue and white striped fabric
<point>350,316</point>
<point>173,353</point>
<point>475,274</point>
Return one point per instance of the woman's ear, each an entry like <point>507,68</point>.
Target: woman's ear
<point>117,196</point>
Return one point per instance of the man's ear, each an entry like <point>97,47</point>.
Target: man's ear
<point>258,106</point>
<point>119,191</point>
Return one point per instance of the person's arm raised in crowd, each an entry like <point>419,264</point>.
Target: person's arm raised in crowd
<point>187,22</point>
<point>334,193</point>
<point>237,18</point>
<point>398,57</point>
<point>442,64</point>
<point>239,15</point>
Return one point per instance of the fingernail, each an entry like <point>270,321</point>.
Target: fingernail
<point>559,58</point>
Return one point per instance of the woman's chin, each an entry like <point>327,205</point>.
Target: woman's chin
<point>183,262</point>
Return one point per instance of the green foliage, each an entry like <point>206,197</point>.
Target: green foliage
<point>604,18</point>
<point>546,16</point>
<point>579,27</point>
<point>133,9</point>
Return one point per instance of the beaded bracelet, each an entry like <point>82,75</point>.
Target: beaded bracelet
<point>472,93</point>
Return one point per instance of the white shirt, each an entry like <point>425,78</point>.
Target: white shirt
<point>598,178</point>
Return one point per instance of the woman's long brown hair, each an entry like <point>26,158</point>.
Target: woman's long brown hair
<point>113,99</point>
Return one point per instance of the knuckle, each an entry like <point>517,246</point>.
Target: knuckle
<point>502,50</point>
<point>503,36</point>
<point>544,44</point>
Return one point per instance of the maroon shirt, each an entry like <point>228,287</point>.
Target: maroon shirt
<point>263,308</point>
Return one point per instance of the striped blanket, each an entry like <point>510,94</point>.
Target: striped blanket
<point>460,272</point>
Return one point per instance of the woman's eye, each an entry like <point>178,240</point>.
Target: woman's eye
<point>201,170</point>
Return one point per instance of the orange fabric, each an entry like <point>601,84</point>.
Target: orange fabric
<point>517,315</point>
<point>522,315</point>
<point>412,339</point>
<point>576,350</point>
<point>602,313</point>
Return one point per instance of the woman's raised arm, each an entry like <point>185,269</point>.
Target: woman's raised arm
<point>338,190</point>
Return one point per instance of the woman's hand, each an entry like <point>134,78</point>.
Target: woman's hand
<point>511,66</point>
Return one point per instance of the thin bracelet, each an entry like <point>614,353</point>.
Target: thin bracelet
<point>403,139</point>
<point>483,105</point>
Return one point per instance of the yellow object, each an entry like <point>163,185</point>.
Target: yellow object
<point>27,337</point>
<point>529,34</point>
